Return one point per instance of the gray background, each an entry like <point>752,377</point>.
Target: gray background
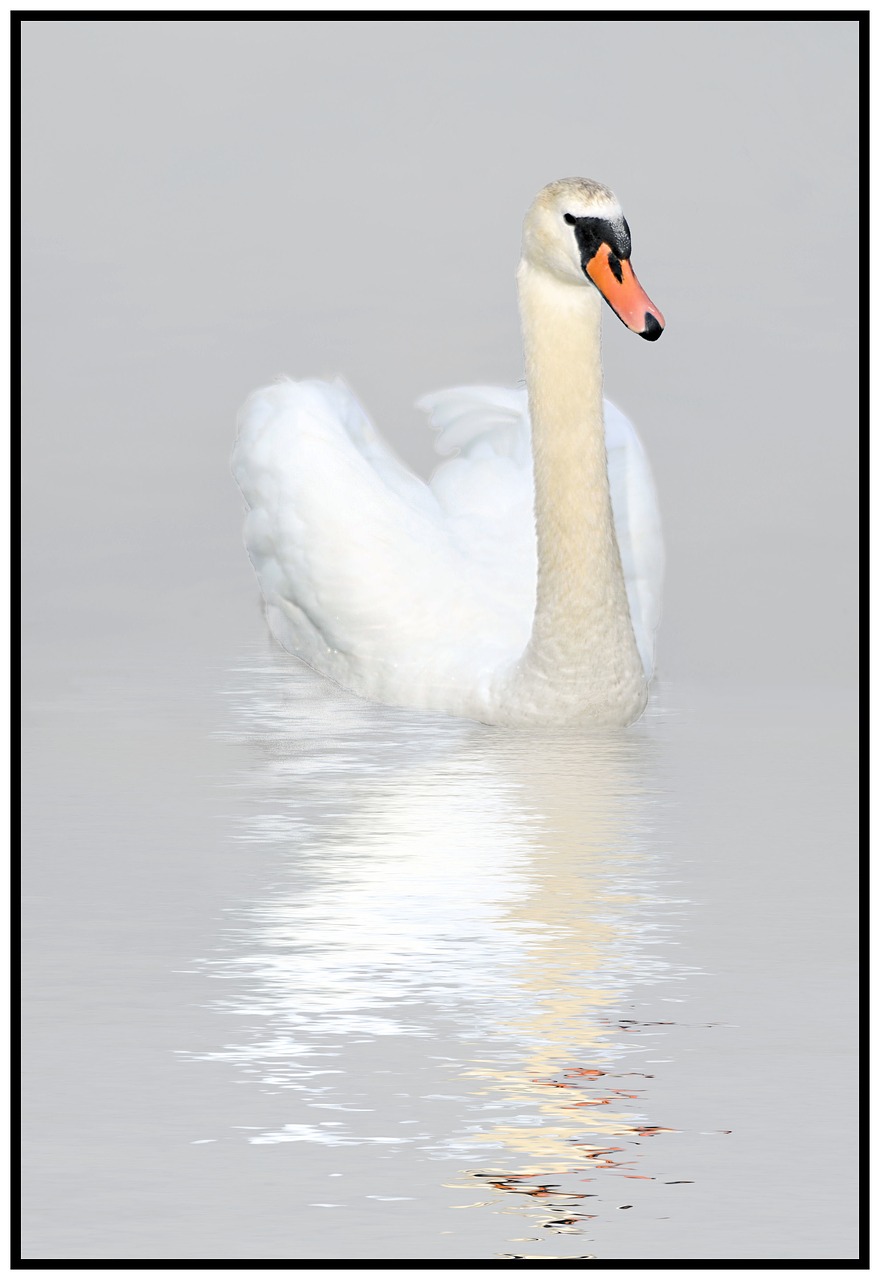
<point>206,205</point>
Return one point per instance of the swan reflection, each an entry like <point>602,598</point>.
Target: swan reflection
<point>496,896</point>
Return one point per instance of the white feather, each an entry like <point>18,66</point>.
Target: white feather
<point>415,593</point>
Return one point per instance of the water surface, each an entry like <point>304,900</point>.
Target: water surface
<point>319,979</point>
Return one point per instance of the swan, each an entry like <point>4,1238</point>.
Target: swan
<point>521,586</point>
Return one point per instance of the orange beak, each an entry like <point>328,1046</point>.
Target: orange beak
<point>617,283</point>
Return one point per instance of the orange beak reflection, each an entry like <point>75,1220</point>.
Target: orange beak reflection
<point>617,283</point>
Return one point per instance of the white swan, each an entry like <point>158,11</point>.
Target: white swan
<point>521,586</point>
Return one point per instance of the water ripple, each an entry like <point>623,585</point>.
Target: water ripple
<point>498,896</point>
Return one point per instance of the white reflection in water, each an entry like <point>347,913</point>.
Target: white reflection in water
<point>498,892</point>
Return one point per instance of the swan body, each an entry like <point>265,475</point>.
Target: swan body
<point>521,585</point>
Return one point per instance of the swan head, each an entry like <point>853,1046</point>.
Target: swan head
<point>576,231</point>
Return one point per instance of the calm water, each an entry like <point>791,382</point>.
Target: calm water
<point>311,979</point>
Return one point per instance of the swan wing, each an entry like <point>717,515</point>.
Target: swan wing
<point>480,421</point>
<point>638,529</point>
<point>488,493</point>
<point>357,559</point>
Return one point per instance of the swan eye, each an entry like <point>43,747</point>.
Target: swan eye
<point>569,218</point>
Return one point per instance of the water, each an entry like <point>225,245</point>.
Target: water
<point>310,978</point>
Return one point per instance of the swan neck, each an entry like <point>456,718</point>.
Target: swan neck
<point>582,640</point>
